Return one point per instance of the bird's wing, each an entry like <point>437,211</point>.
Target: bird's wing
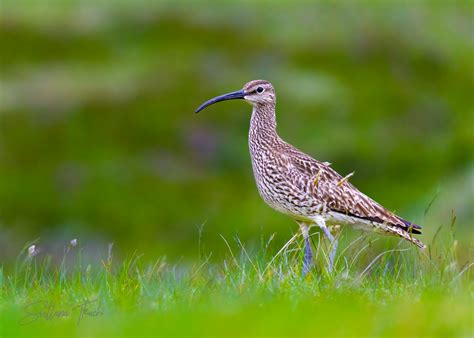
<point>338,194</point>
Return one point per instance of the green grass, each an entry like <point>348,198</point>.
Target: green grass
<point>253,292</point>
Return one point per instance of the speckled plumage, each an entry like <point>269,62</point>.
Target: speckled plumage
<point>309,191</point>
<point>295,184</point>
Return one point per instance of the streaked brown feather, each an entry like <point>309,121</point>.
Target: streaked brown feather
<point>340,197</point>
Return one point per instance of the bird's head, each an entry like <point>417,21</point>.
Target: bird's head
<point>255,92</point>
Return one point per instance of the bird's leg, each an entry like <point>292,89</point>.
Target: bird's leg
<point>333,241</point>
<point>322,224</point>
<point>308,252</point>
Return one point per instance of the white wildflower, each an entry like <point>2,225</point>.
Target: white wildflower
<point>73,242</point>
<point>31,250</point>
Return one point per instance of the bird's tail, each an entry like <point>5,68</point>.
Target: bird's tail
<point>409,226</point>
<point>398,231</point>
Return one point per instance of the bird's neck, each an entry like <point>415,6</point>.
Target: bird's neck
<point>263,123</point>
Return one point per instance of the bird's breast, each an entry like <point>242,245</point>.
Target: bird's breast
<point>275,188</point>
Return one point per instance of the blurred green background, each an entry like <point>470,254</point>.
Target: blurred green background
<point>99,140</point>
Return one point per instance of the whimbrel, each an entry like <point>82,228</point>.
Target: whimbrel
<point>307,190</point>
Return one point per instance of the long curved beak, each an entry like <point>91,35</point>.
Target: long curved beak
<point>230,96</point>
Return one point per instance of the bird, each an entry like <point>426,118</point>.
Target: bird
<point>309,191</point>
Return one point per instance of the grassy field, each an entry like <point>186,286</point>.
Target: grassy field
<point>398,292</point>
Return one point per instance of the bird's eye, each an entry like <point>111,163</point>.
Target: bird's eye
<point>259,90</point>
